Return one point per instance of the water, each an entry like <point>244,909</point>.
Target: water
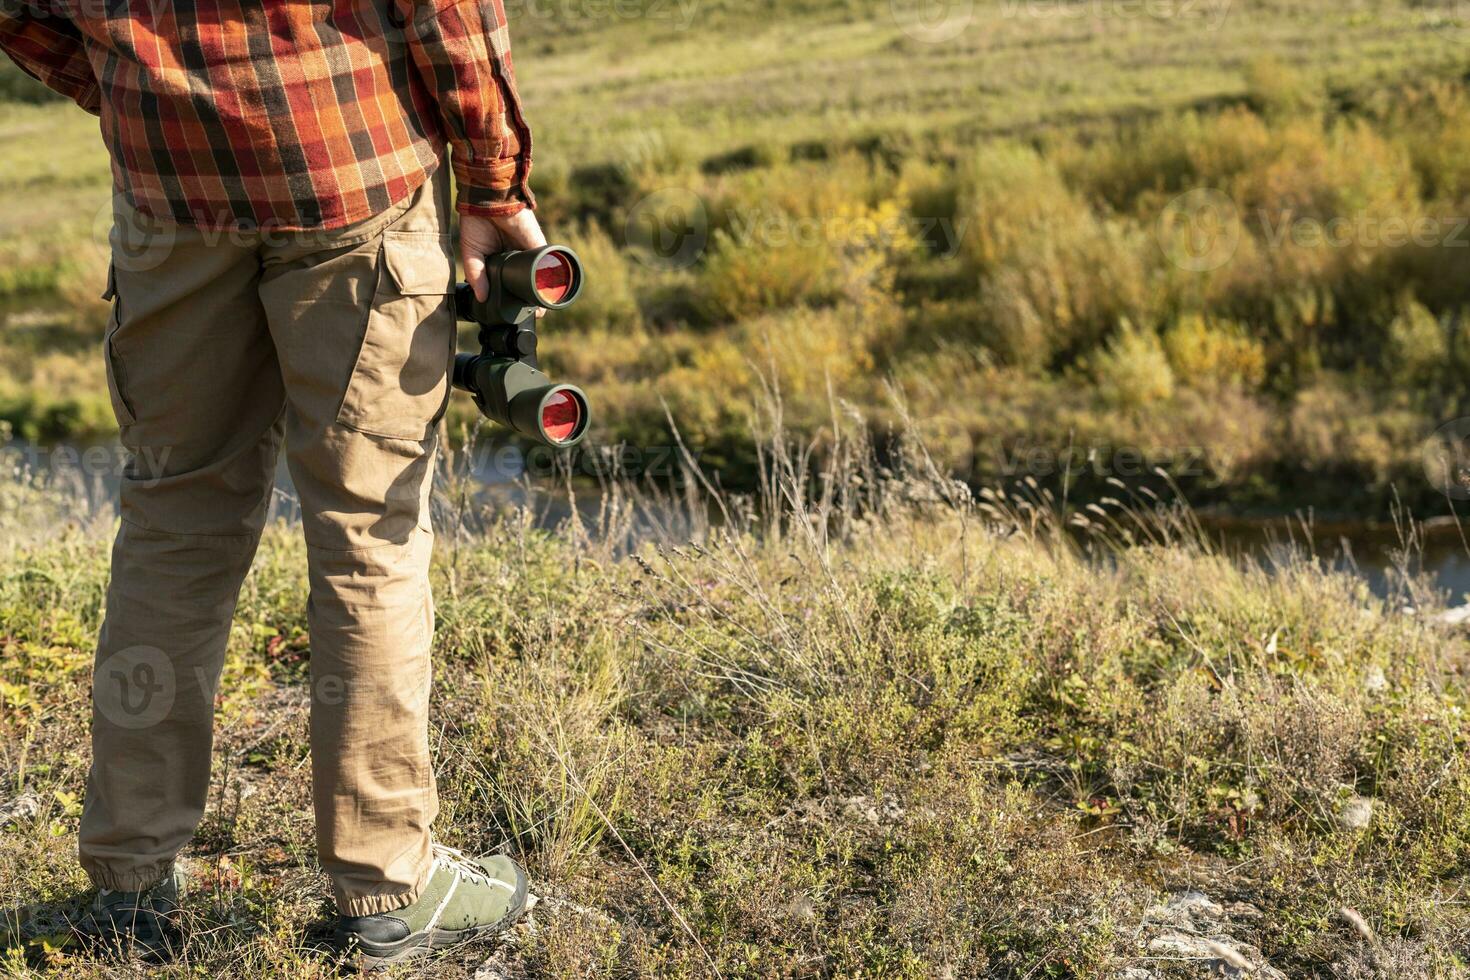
<point>1374,551</point>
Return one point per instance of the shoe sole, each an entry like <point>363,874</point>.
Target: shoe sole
<point>371,957</point>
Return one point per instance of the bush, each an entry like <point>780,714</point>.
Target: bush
<point>749,278</point>
<point>1210,356</point>
<point>1132,372</point>
<point>607,301</point>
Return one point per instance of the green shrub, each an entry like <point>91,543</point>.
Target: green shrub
<point>607,300</point>
<point>1132,371</point>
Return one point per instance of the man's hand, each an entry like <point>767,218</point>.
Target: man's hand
<point>481,237</point>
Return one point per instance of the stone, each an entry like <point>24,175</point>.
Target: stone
<point>1356,813</point>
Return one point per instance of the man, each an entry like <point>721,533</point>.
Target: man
<point>281,269</point>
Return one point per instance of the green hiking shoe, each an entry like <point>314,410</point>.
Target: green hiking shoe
<point>144,922</point>
<point>466,898</point>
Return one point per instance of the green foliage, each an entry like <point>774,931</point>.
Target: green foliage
<point>983,241</point>
<point>17,86</point>
<point>1132,371</point>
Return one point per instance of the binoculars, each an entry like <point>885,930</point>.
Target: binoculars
<point>507,385</point>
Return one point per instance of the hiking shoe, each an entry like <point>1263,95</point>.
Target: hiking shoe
<point>466,898</point>
<point>144,922</point>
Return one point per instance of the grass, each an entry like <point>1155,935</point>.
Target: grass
<point>861,725</point>
<point>997,219</point>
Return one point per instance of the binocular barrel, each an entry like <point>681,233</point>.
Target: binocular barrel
<point>504,378</point>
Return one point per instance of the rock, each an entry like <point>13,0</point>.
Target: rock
<point>1457,616</point>
<point>1189,911</point>
<point>1375,681</point>
<point>1197,903</point>
<point>1177,944</point>
<point>1356,813</point>
<point>23,807</point>
<point>1135,973</point>
<point>801,909</point>
<point>1242,912</point>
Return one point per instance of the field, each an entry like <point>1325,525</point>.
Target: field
<point>894,731</point>
<point>1221,238</point>
<point>928,670</point>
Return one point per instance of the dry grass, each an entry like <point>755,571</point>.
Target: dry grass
<point>859,724</point>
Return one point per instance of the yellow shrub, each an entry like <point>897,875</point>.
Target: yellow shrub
<point>849,253</point>
<point>1212,355</point>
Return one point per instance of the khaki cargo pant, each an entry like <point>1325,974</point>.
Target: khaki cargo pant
<point>221,345</point>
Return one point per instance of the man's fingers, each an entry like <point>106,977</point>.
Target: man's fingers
<point>474,271</point>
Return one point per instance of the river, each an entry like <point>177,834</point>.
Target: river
<point>1374,551</point>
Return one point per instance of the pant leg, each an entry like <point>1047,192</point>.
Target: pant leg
<point>197,391</point>
<point>366,338</point>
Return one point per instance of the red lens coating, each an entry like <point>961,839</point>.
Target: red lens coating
<point>554,277</point>
<point>561,416</point>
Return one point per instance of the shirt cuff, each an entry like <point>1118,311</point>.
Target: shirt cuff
<point>495,190</point>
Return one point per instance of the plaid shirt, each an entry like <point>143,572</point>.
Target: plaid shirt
<point>286,114</point>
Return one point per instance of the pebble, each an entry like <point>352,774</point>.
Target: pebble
<point>23,807</point>
<point>1356,813</point>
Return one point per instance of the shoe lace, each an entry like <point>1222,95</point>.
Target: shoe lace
<point>458,862</point>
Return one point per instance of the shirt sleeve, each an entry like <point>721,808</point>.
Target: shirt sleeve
<point>46,45</point>
<point>461,49</point>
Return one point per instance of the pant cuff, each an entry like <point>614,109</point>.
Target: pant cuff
<point>136,880</point>
<point>351,906</point>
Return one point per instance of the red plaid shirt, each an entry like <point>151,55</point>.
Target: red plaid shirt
<point>286,114</point>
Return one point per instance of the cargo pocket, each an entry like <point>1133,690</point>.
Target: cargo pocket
<point>400,384</point>
<point>116,378</point>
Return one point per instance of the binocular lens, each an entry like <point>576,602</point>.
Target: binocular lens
<point>555,276</point>
<point>561,416</point>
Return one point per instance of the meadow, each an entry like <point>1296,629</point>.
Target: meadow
<point>913,661</point>
<point>1224,238</point>
<point>889,729</point>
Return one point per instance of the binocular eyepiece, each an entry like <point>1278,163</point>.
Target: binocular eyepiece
<point>504,378</point>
